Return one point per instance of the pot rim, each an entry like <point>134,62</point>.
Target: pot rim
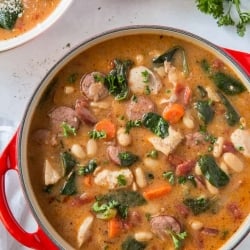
<point>40,218</point>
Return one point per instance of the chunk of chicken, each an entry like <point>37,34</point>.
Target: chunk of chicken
<point>51,174</point>
<point>169,143</point>
<point>140,77</point>
<point>84,231</point>
<point>110,179</point>
<point>241,140</point>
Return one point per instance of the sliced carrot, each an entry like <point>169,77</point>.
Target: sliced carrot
<point>87,180</point>
<point>173,113</point>
<point>114,227</point>
<point>108,127</point>
<point>157,192</point>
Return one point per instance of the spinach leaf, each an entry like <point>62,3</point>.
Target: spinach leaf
<point>205,66</point>
<point>69,187</point>
<point>125,197</point>
<point>127,158</point>
<point>228,84</point>
<point>68,162</point>
<point>198,205</point>
<point>9,13</point>
<point>169,56</point>
<point>205,110</point>
<point>116,81</point>
<point>156,124</point>
<point>132,244</point>
<point>231,115</point>
<point>87,169</point>
<point>212,171</point>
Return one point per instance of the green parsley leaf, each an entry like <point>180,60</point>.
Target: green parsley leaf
<point>169,176</point>
<point>145,76</point>
<point>68,130</point>
<point>132,124</point>
<point>121,180</point>
<point>94,134</point>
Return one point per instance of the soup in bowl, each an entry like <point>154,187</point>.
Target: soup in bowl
<point>139,139</point>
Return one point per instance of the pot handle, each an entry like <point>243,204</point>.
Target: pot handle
<point>242,58</point>
<point>37,240</point>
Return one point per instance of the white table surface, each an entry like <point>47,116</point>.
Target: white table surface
<point>22,68</point>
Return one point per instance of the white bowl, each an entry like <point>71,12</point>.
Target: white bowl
<point>38,29</point>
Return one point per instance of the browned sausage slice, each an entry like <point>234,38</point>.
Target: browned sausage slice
<point>160,225</point>
<point>136,109</point>
<point>63,114</point>
<point>91,88</point>
<point>83,112</point>
<point>113,153</point>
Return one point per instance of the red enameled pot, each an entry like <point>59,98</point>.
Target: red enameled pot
<point>14,155</point>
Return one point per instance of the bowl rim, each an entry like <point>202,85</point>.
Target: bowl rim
<point>40,218</point>
<point>59,10</point>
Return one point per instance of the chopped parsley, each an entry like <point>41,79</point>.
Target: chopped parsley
<point>121,179</point>
<point>67,129</point>
<point>132,124</point>
<point>153,154</point>
<point>94,134</point>
<point>88,168</point>
<point>169,176</point>
<point>178,238</point>
<point>72,78</point>
<point>147,90</point>
<point>99,78</point>
<point>127,158</point>
<point>145,76</point>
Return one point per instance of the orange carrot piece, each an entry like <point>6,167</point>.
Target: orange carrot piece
<point>87,180</point>
<point>157,192</point>
<point>114,227</point>
<point>108,127</point>
<point>173,113</point>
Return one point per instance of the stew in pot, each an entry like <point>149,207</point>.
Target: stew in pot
<point>143,142</point>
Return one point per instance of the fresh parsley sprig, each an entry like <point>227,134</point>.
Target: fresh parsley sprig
<point>222,11</point>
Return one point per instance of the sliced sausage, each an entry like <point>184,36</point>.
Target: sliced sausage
<point>83,112</point>
<point>94,90</point>
<point>195,139</point>
<point>136,109</point>
<point>63,114</point>
<point>210,231</point>
<point>162,223</point>
<point>235,211</point>
<point>113,152</point>
<point>185,167</point>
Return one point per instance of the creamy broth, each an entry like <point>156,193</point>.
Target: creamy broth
<point>34,12</point>
<point>176,173</point>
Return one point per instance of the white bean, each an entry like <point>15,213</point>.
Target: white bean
<point>91,147</point>
<point>196,225</point>
<point>123,138</point>
<point>78,151</point>
<point>151,163</point>
<point>99,105</point>
<point>218,147</point>
<point>212,94</point>
<point>223,167</point>
<point>134,186</point>
<point>197,169</point>
<point>233,162</point>
<point>69,90</point>
<point>140,177</point>
<point>212,189</point>
<point>188,121</point>
<point>143,236</point>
